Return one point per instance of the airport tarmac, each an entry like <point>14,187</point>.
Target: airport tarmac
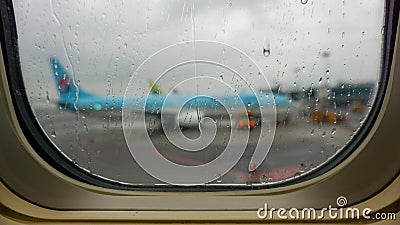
<point>98,145</point>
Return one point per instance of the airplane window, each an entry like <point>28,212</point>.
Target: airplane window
<point>211,93</point>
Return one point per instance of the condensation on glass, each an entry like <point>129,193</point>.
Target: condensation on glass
<point>321,60</point>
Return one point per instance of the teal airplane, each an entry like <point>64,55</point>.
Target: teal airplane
<point>72,96</point>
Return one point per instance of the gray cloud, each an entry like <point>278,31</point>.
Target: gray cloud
<point>106,40</point>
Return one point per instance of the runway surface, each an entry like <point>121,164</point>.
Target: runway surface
<point>97,144</point>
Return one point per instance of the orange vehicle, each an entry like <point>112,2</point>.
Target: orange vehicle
<point>246,122</point>
<point>331,117</point>
<point>249,122</point>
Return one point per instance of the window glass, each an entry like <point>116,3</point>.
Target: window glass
<point>200,92</point>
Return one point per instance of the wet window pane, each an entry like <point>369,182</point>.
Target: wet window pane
<point>200,92</point>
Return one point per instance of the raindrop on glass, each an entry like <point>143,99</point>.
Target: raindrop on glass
<point>47,97</point>
<point>86,127</point>
<point>263,179</point>
<point>219,178</point>
<point>266,52</point>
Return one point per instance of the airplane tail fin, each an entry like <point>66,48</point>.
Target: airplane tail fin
<point>154,88</point>
<point>66,87</point>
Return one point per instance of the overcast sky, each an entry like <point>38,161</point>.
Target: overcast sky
<point>104,42</point>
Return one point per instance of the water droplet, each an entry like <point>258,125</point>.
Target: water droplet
<point>266,52</point>
<point>312,132</point>
<point>47,97</point>
<point>219,178</point>
<point>263,179</point>
<point>303,2</point>
<point>320,80</point>
<point>76,35</point>
<point>86,128</point>
<point>294,84</point>
<point>327,72</point>
<point>53,134</point>
<point>324,134</point>
<point>333,130</point>
<point>126,45</point>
